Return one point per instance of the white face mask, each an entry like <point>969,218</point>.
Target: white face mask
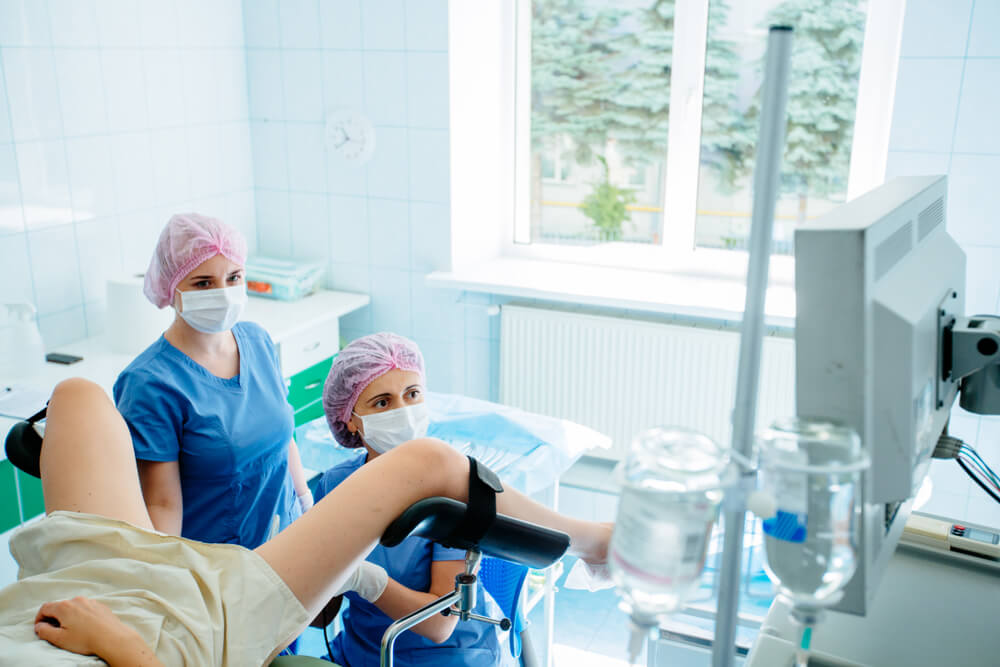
<point>385,430</point>
<point>213,310</point>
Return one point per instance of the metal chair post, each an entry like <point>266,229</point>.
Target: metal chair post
<point>463,598</point>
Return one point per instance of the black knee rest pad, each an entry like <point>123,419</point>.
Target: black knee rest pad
<point>24,445</point>
<point>477,526</point>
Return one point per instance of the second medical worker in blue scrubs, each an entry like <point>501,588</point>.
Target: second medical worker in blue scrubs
<point>374,399</point>
<point>205,403</point>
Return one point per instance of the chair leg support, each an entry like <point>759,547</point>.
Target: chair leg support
<point>408,621</point>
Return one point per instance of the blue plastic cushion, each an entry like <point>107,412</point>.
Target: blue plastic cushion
<point>503,580</point>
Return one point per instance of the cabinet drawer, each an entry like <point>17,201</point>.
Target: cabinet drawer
<point>310,412</point>
<point>306,387</point>
<point>309,347</point>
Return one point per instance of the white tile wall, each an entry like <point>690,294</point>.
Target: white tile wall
<point>383,24</point>
<point>299,24</point>
<point>389,222</point>
<point>113,115</point>
<point>427,90</point>
<point>430,243</point>
<point>340,22</point>
<point>301,72</point>
<point>81,92</point>
<point>973,198</point>
<point>927,92</point>
<point>91,177</point>
<point>310,226</point>
<point>259,19</point>
<point>975,131</point>
<point>343,79</point>
<point>391,305</point>
<point>306,157</point>
<point>427,25</point>
<point>431,179</point>
<point>390,169</point>
<point>930,32</point>
<point>385,87</point>
<point>24,23</point>
<point>32,92</point>
<point>349,229</point>
<point>943,123</point>
<point>983,32</point>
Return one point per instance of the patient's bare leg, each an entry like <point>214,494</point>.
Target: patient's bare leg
<point>87,460</point>
<point>316,553</point>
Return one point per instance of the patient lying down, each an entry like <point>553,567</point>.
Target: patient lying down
<point>96,580</point>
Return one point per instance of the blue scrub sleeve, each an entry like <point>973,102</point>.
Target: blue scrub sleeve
<point>153,416</point>
<point>446,553</point>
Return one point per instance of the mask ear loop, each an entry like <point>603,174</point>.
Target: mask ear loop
<point>358,432</point>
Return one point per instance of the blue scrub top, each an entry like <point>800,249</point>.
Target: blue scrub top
<point>229,436</point>
<point>473,643</point>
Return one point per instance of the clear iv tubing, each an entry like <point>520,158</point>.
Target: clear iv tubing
<point>638,633</point>
<point>802,652</point>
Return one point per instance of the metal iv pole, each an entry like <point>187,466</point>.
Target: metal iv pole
<point>770,148</point>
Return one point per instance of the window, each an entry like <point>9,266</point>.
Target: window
<point>636,120</point>
<point>822,98</point>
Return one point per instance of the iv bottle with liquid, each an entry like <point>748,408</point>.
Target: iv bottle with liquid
<point>810,473</point>
<point>673,482</point>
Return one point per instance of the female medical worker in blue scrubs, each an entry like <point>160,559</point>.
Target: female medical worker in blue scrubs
<point>205,403</point>
<point>374,398</point>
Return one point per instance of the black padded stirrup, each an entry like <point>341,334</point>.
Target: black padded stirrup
<point>481,512</point>
<point>24,445</point>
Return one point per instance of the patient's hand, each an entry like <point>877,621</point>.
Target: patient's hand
<point>88,627</point>
<point>598,552</point>
<point>594,551</point>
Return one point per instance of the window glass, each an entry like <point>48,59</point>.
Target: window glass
<point>822,97</point>
<point>600,101</point>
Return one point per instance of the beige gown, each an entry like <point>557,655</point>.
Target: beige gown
<point>193,603</point>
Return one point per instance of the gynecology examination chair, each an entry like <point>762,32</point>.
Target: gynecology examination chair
<point>450,523</point>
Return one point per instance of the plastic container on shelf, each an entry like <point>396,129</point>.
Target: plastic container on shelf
<point>23,351</point>
<point>281,279</point>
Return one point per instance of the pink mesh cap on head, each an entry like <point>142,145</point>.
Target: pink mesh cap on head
<point>360,362</point>
<point>187,240</point>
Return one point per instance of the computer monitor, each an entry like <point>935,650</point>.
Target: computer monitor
<point>875,279</point>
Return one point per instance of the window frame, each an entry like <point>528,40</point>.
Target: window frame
<point>677,251</point>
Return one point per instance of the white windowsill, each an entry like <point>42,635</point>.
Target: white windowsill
<point>610,287</point>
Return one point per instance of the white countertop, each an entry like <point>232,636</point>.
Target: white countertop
<point>281,319</point>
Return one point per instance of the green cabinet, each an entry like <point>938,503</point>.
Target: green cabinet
<point>305,391</point>
<point>10,512</point>
<point>20,496</point>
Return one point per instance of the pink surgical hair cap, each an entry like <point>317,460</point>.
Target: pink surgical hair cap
<point>354,368</point>
<point>187,240</point>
